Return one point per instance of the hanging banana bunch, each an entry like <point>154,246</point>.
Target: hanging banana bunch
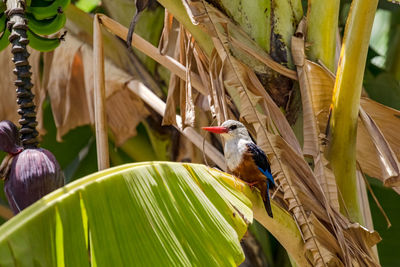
<point>29,172</point>
<point>43,17</point>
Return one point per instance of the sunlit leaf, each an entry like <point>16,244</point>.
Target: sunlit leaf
<point>149,214</point>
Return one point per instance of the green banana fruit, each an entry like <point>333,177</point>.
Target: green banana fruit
<point>46,26</point>
<point>4,39</point>
<point>41,3</point>
<point>41,43</point>
<point>48,11</point>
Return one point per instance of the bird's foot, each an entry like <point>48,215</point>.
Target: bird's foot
<point>252,184</point>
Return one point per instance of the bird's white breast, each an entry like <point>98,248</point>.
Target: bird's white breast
<point>233,151</point>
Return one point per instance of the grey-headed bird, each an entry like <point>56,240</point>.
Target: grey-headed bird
<point>245,159</point>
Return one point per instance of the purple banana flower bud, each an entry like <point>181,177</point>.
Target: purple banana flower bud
<point>33,174</point>
<point>9,138</point>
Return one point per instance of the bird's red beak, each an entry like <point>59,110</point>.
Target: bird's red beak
<point>216,129</point>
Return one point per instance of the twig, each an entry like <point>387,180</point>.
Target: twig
<point>153,52</point>
<point>99,98</point>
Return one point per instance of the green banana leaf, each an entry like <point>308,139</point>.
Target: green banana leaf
<point>142,214</point>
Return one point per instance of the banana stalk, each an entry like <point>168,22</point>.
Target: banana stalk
<point>19,40</point>
<point>33,172</point>
<point>248,15</point>
<point>345,104</point>
<point>322,24</point>
<point>270,23</point>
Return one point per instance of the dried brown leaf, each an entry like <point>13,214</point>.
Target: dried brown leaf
<point>390,164</point>
<point>326,240</point>
<point>310,132</point>
<point>313,143</point>
<point>203,67</point>
<point>169,117</point>
<point>70,88</point>
<point>236,81</point>
<point>180,90</point>
<point>217,91</point>
<point>354,240</point>
<point>173,97</point>
<point>327,179</point>
<point>361,241</point>
<point>187,102</point>
<point>66,87</point>
<point>302,194</point>
<point>321,85</point>
<point>151,51</point>
<point>363,200</point>
<point>386,121</point>
<point>242,47</point>
<point>124,106</point>
<point>295,177</point>
<point>167,34</point>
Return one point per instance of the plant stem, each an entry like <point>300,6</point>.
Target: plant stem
<point>18,26</point>
<point>345,104</point>
<point>322,23</point>
<point>103,160</point>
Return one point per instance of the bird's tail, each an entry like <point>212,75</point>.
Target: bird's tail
<point>267,205</point>
<point>267,202</point>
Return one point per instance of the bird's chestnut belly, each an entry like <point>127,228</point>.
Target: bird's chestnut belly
<point>248,171</point>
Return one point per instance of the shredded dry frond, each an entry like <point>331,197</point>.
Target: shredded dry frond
<point>381,138</point>
<point>302,193</point>
<point>313,143</point>
<point>164,44</point>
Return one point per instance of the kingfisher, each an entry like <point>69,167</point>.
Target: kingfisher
<point>245,159</point>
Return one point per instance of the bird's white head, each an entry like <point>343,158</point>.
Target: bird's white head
<point>230,129</point>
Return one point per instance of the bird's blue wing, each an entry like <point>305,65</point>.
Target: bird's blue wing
<point>261,161</point>
<point>268,175</point>
<point>263,165</point>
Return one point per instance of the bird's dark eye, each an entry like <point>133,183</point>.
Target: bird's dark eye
<point>233,127</point>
